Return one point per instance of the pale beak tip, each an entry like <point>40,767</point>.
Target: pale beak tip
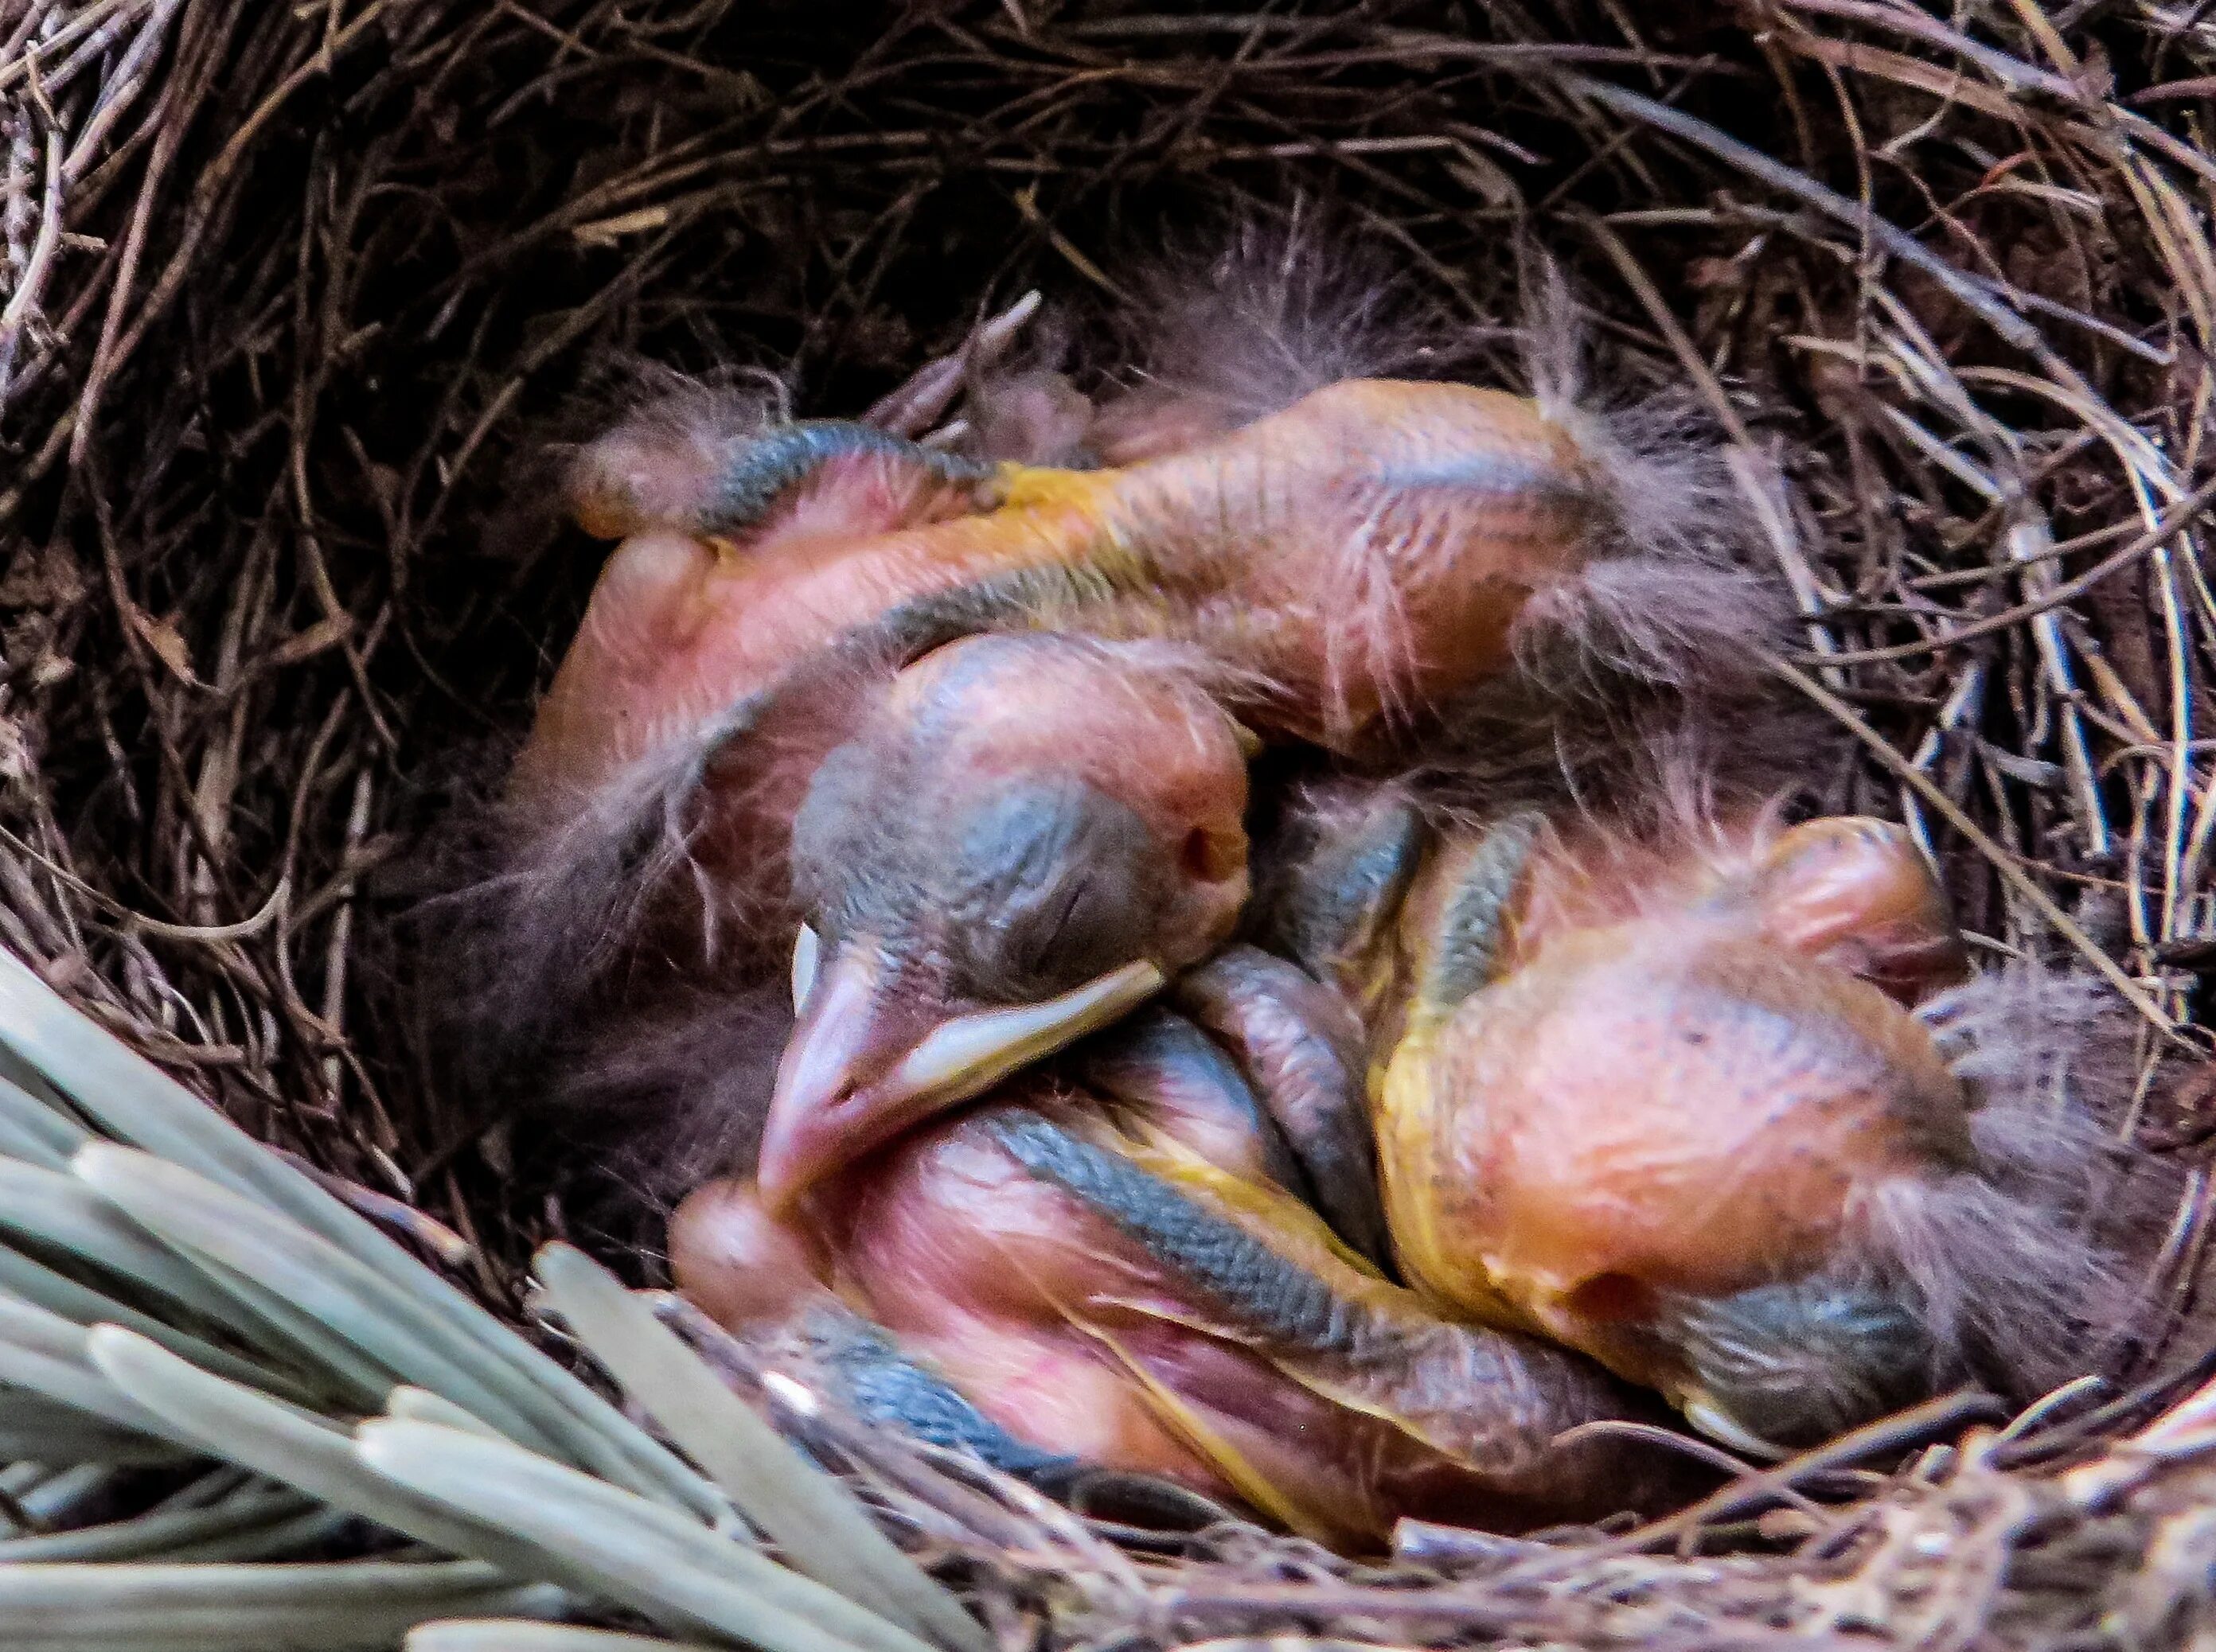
<point>807,958</point>
<point>1718,1425</point>
<point>861,1070</point>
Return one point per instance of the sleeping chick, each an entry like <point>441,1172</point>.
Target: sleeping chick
<point>1728,1111</point>
<point>1026,838</point>
<point>1029,836</point>
<point>1105,1272</point>
<point>1350,556</point>
<point>1351,562</point>
<point>1373,549</point>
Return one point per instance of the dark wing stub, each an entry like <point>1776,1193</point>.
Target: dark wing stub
<point>882,1385</point>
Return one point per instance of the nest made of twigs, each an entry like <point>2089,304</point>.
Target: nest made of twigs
<point>296,299</point>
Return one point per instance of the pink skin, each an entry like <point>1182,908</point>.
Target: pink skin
<point>744,1269</point>
<point>990,1274</point>
<point>960,724</point>
<point>1691,1063</point>
<point>1046,1316</point>
<point>1407,524</point>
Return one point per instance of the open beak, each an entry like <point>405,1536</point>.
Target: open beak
<point>874,1054</point>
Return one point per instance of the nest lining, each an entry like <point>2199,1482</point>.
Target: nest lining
<point>300,300</point>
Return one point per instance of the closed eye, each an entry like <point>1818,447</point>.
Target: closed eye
<point>1056,882</point>
<point>1044,934</point>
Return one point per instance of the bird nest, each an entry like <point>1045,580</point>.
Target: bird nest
<point>297,299</point>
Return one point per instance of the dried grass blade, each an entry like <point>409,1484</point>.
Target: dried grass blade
<point>51,1359</point>
<point>137,1102</point>
<point>340,1369</point>
<point>33,1129</point>
<point>129,1096</point>
<point>305,1453</point>
<point>643,1554</point>
<point>333,1607</point>
<point>35,1087</point>
<point>813,1518</point>
<point>55,1210</point>
<point>495,1635</point>
<point>34,1429</point>
<point>161,1533</point>
<point>308,1534</point>
<point>36,1283</point>
<point>411,1405</point>
<point>317,1281</point>
<point>1973,292</point>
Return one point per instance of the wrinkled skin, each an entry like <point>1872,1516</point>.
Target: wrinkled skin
<point>757,662</point>
<point>1616,1084</point>
<point>1365,553</point>
<point>1145,1300</point>
<point>1635,1099</point>
<point>1439,508</point>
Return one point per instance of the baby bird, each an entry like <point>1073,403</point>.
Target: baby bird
<point>1719,1103</point>
<point>1354,561</point>
<point>1728,1112</point>
<point>1373,544</point>
<point>1026,838</point>
<point>1103,1272</point>
<point>1031,835</point>
<point>1350,554</point>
